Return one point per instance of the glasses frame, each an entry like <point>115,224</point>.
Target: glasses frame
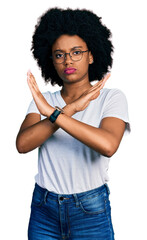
<point>70,56</point>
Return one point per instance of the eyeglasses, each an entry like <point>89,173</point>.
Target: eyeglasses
<point>75,55</point>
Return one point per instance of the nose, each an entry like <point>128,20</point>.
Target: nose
<point>67,58</point>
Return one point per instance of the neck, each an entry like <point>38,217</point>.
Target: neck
<point>75,90</point>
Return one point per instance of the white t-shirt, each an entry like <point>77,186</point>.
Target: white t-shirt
<point>66,165</point>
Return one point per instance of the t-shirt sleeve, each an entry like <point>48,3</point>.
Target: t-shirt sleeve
<point>33,108</point>
<point>116,106</point>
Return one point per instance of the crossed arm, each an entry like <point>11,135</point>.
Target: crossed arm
<point>34,132</point>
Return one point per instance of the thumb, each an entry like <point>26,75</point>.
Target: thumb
<point>95,95</point>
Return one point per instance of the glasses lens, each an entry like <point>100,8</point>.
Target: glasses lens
<point>58,57</point>
<point>76,55</point>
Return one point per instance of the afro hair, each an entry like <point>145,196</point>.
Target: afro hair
<point>84,23</point>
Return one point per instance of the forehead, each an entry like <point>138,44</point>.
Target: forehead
<point>67,42</point>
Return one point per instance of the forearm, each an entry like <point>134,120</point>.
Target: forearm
<point>104,140</point>
<point>35,135</point>
<point>98,139</point>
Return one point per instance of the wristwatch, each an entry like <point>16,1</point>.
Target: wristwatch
<point>55,114</point>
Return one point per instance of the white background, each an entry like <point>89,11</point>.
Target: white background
<point>127,21</point>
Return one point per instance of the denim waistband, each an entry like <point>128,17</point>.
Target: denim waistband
<point>72,197</point>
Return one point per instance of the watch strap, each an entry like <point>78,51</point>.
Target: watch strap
<point>55,114</point>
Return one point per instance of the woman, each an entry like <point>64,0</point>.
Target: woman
<point>76,129</point>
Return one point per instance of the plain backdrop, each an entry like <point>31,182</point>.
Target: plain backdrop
<point>127,21</point>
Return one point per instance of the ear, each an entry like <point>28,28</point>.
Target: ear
<point>91,59</point>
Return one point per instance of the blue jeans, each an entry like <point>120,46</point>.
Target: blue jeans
<point>84,215</point>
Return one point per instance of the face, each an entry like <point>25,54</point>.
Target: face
<point>71,71</point>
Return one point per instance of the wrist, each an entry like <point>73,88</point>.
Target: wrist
<point>50,111</point>
<point>70,109</point>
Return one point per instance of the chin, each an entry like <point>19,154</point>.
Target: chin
<point>70,79</point>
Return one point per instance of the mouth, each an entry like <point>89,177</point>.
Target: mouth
<point>69,70</point>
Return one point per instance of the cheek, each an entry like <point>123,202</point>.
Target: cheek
<point>85,65</point>
<point>58,69</point>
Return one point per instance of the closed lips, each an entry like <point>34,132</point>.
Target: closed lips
<point>69,70</point>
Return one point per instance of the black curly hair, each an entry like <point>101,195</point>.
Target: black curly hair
<point>84,23</point>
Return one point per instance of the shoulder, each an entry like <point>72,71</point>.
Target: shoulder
<point>114,100</point>
<point>115,105</point>
<point>113,94</point>
<point>48,95</point>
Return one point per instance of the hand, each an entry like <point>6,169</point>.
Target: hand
<point>42,105</point>
<point>83,101</point>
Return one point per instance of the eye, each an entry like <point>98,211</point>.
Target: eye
<point>59,55</point>
<point>76,52</point>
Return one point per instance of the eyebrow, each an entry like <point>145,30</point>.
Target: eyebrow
<point>59,50</point>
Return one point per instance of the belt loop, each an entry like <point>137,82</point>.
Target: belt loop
<point>108,190</point>
<point>76,199</point>
<point>45,196</point>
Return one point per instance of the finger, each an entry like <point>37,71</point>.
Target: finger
<point>101,83</point>
<point>95,96</point>
<point>95,86</point>
<point>106,77</point>
<point>94,93</point>
<point>32,82</point>
<point>28,72</point>
<point>31,87</point>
